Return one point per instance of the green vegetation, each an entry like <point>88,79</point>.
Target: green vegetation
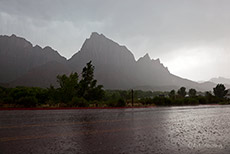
<point>192,92</point>
<point>71,92</point>
<point>182,92</point>
<point>220,91</point>
<point>85,92</point>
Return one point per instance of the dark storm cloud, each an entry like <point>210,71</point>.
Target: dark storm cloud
<point>164,28</point>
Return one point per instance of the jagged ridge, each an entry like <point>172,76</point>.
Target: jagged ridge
<point>115,65</point>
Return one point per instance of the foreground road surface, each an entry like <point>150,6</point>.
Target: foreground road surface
<point>198,129</point>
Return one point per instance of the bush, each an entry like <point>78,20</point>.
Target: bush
<point>1,103</point>
<point>178,102</point>
<point>51,103</point>
<point>8,100</point>
<point>78,102</point>
<point>28,101</point>
<point>115,103</point>
<point>146,101</point>
<point>162,101</point>
<point>121,103</point>
<point>96,103</point>
<point>225,103</point>
<point>110,103</point>
<point>42,96</point>
<point>191,101</point>
<point>202,100</point>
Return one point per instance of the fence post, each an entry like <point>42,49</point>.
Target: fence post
<point>132,97</point>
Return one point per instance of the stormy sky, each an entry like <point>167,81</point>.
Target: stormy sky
<point>191,37</point>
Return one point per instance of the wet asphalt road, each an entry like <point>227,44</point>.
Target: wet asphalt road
<point>196,129</point>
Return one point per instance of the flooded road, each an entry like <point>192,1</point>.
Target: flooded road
<point>192,129</point>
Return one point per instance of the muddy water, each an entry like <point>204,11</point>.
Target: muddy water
<point>199,129</point>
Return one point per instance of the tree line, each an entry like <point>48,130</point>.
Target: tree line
<point>73,91</point>
<point>182,97</point>
<point>83,91</point>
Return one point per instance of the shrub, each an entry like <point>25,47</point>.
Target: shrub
<point>8,100</point>
<point>78,102</point>
<point>96,103</point>
<point>161,101</point>
<point>191,101</point>
<point>1,103</point>
<point>28,101</point>
<point>121,103</point>
<point>146,101</point>
<point>110,103</point>
<point>178,102</point>
<point>202,100</point>
<point>225,103</point>
<point>51,103</point>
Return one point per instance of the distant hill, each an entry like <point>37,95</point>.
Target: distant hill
<point>220,80</point>
<point>115,66</point>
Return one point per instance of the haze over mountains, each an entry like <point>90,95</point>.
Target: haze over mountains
<point>220,80</point>
<point>22,64</point>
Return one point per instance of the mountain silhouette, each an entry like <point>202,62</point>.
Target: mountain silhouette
<point>114,64</point>
<point>22,64</point>
<point>18,56</point>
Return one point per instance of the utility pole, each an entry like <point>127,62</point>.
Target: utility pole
<point>132,97</point>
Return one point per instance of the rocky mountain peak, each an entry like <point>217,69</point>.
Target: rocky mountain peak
<point>37,47</point>
<point>147,57</point>
<point>47,48</point>
<point>157,60</point>
<point>18,56</point>
<point>96,35</point>
<point>19,41</point>
<point>13,36</point>
<point>101,49</point>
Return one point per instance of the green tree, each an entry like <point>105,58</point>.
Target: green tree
<point>182,92</point>
<point>68,86</point>
<point>219,91</point>
<point>88,88</point>
<point>208,94</point>
<point>192,92</point>
<point>210,99</point>
<point>172,94</point>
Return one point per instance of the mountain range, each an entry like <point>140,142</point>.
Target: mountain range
<point>220,80</point>
<point>22,64</point>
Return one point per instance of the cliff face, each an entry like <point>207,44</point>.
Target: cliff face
<point>21,63</point>
<point>42,75</point>
<point>114,64</point>
<point>18,56</point>
<point>152,72</point>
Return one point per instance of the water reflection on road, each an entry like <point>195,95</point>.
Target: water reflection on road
<point>193,129</point>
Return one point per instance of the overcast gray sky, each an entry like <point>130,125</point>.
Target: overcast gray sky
<point>191,37</point>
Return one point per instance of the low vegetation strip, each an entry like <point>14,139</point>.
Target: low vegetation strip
<point>86,94</point>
